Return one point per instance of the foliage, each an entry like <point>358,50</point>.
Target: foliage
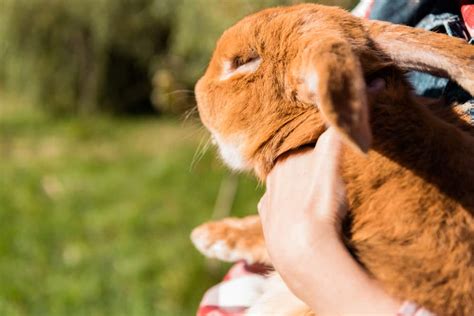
<point>95,215</point>
<point>113,55</point>
<point>76,55</point>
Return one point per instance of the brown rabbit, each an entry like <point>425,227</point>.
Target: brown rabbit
<point>279,76</point>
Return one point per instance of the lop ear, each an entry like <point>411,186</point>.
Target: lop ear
<point>417,49</point>
<point>329,75</point>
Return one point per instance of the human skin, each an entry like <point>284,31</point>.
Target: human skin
<point>307,191</point>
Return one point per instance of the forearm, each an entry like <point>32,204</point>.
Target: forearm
<point>340,285</point>
<point>306,199</point>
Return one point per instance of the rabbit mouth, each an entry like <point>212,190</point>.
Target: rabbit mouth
<point>230,150</point>
<point>294,135</point>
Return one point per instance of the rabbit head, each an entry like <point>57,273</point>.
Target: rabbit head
<point>278,77</point>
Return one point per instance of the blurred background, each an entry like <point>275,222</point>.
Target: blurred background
<point>104,166</point>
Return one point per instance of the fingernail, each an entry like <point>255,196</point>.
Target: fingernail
<point>376,85</point>
<point>424,312</point>
<point>407,309</point>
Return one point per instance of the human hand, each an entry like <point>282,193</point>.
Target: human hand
<point>303,205</point>
<point>306,190</point>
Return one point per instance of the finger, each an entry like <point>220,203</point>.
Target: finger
<point>327,156</point>
<point>328,144</point>
<point>262,205</point>
<point>327,186</point>
<point>376,85</point>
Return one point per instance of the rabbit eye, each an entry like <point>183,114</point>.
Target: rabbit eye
<point>240,61</point>
<point>240,65</point>
<point>237,62</point>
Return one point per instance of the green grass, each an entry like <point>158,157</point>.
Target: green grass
<point>95,214</point>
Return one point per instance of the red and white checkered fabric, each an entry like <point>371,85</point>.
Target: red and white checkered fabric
<point>243,284</point>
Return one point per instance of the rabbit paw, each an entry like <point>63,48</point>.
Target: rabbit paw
<point>232,239</point>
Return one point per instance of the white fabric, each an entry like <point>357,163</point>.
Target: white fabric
<point>242,291</point>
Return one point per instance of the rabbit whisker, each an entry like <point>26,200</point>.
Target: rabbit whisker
<point>183,91</point>
<point>200,151</point>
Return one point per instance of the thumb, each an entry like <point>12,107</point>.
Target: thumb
<point>328,189</point>
<point>262,205</point>
<point>326,160</point>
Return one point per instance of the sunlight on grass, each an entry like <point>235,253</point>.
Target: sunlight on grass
<point>95,214</point>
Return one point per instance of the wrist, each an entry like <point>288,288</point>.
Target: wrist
<point>329,279</point>
<point>327,231</point>
<point>320,252</point>
<point>318,268</point>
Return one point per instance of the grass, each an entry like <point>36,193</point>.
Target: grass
<point>95,214</point>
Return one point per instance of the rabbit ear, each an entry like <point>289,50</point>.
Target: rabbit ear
<point>417,49</point>
<point>329,75</point>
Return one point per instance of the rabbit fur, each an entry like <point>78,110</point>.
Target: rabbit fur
<point>277,79</point>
